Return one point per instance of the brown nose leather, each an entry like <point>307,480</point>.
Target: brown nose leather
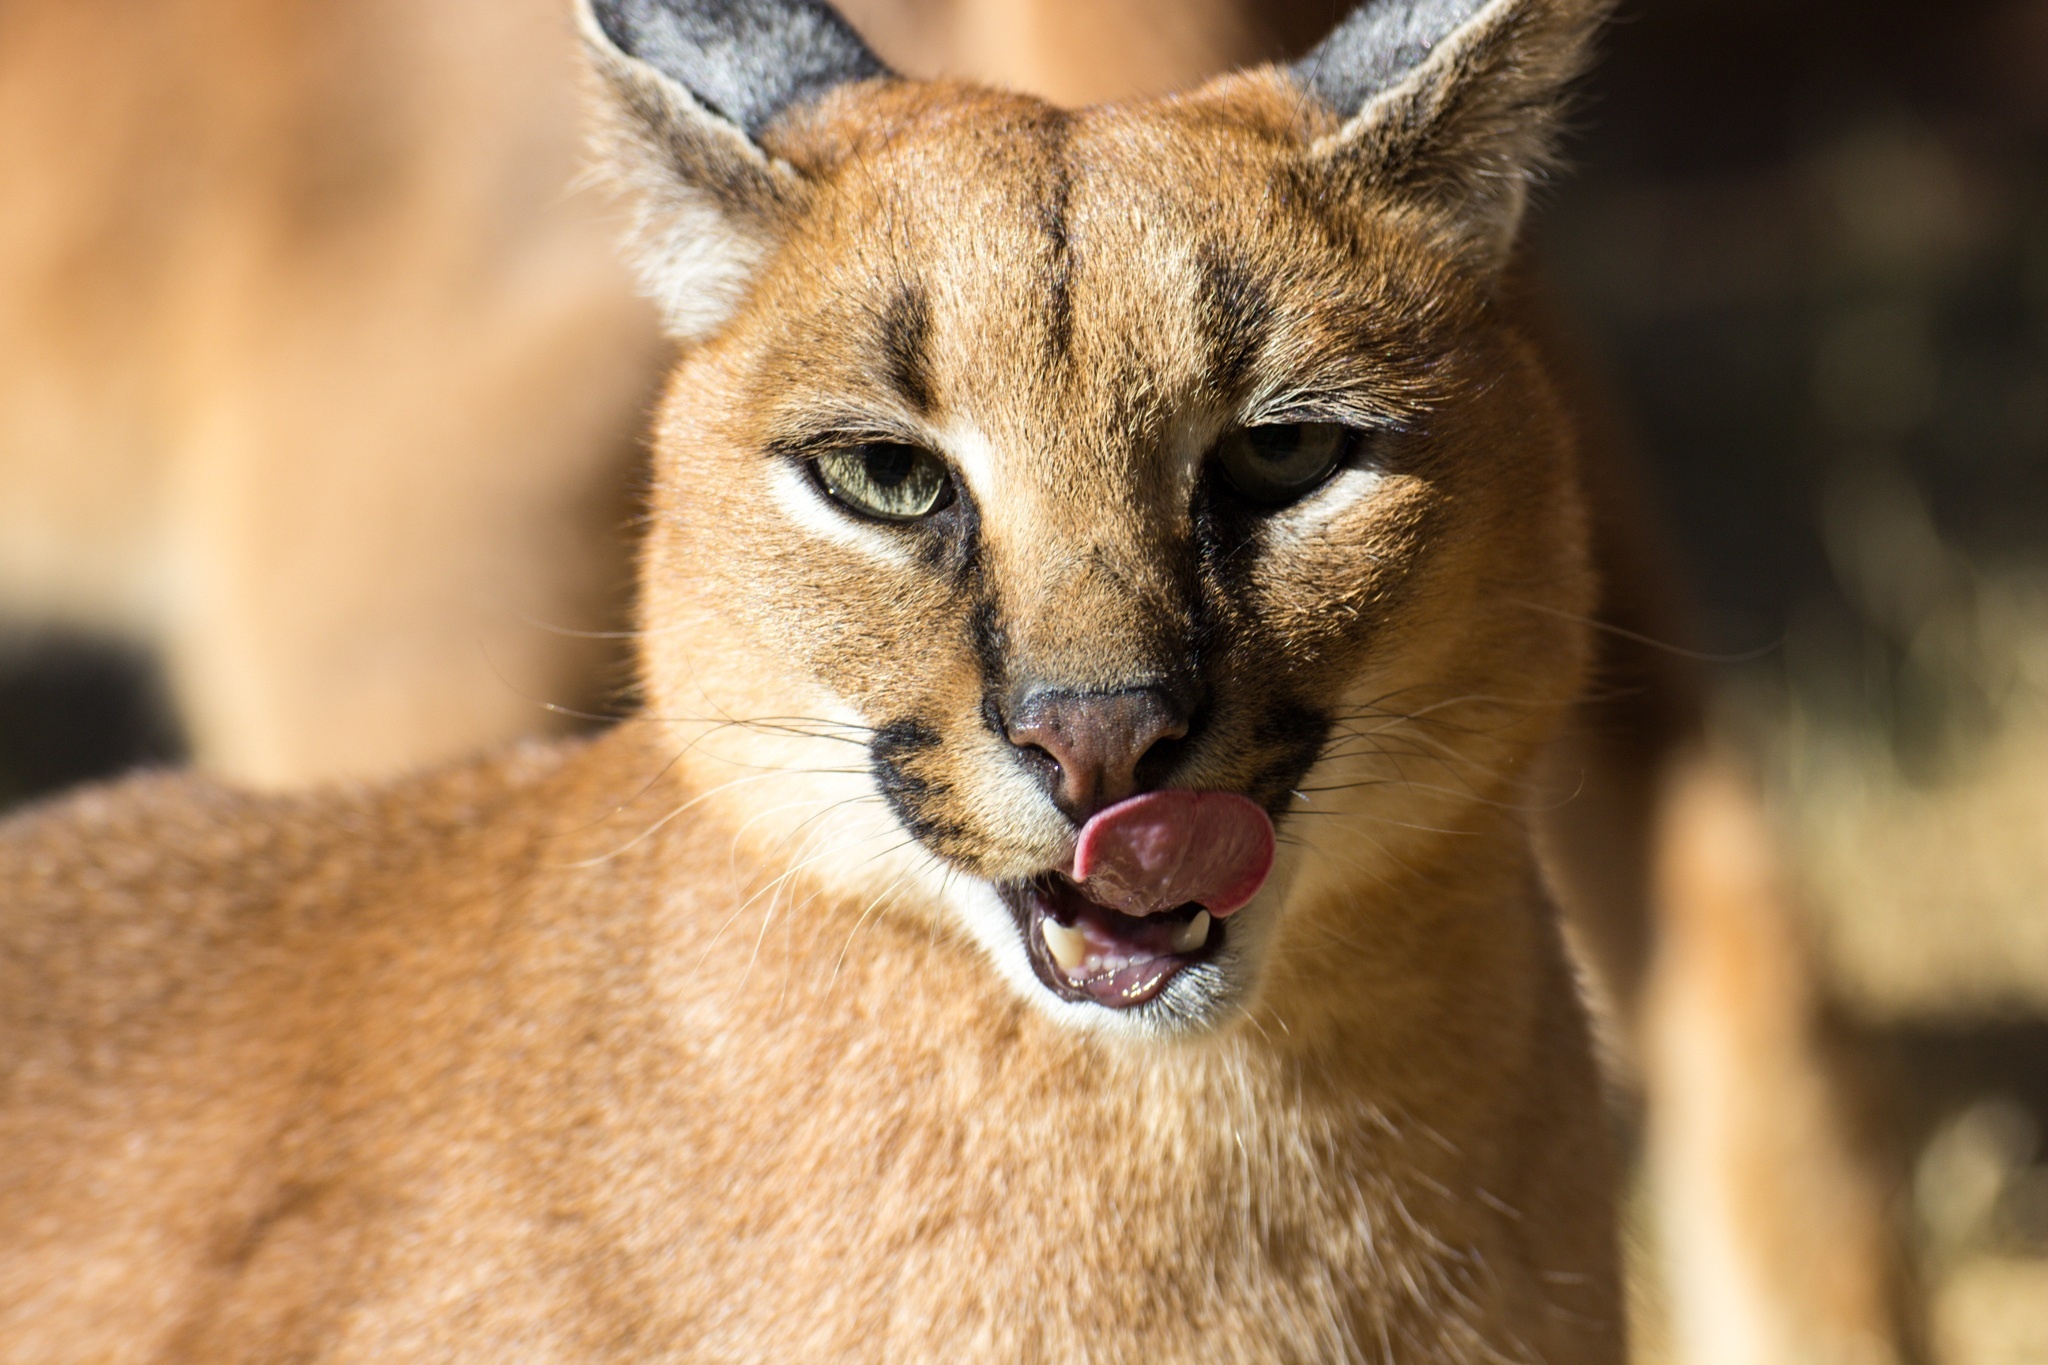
<point>1095,738</point>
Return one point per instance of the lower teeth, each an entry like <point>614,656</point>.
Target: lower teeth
<point>1193,934</point>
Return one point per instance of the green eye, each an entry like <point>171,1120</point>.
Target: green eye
<point>1275,465</point>
<point>887,480</point>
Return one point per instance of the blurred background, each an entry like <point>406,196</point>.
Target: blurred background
<point>1808,242</point>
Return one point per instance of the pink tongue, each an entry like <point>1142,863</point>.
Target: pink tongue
<point>1163,849</point>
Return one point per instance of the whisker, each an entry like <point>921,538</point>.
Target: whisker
<point>869,909</point>
<point>622,807</point>
<point>771,889</point>
<point>1610,628</point>
<point>686,806</point>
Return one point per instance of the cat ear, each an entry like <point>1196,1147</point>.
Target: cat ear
<point>687,86</point>
<point>1451,106</point>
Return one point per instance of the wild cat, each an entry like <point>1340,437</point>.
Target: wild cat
<point>1113,578</point>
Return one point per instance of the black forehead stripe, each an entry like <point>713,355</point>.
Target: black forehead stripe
<point>1235,312</point>
<point>1059,267</point>
<point>906,340</point>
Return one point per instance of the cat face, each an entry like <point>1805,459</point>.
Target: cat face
<point>1037,459</point>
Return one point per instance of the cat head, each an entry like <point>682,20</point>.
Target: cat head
<point>1024,459</point>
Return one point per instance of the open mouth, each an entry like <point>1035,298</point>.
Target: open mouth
<point>1153,881</point>
<point>1085,951</point>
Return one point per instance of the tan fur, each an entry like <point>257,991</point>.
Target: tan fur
<point>670,1045</point>
<point>478,1105</point>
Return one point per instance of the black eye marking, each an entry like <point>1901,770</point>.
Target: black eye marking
<point>886,480</point>
<point>1280,463</point>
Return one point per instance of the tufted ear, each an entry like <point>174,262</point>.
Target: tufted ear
<point>687,88</point>
<point>1452,106</point>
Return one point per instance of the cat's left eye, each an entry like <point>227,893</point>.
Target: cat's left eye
<point>1273,465</point>
<point>886,479</point>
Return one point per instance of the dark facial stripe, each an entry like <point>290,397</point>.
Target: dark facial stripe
<point>893,751</point>
<point>906,336</point>
<point>1059,267</point>
<point>987,639</point>
<point>1298,735</point>
<point>1235,313</point>
<point>1226,543</point>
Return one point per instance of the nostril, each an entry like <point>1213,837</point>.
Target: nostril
<point>1092,749</point>
<point>1045,742</point>
<point>1159,759</point>
<point>1040,760</point>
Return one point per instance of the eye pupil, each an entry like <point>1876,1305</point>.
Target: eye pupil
<point>889,465</point>
<point>1274,443</point>
<point>888,480</point>
<point>1278,463</point>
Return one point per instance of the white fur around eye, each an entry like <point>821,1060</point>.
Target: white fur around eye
<point>972,456</point>
<point>808,506</point>
<point>1347,488</point>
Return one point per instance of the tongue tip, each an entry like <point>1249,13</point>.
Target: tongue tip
<point>1234,898</point>
<point>1162,850</point>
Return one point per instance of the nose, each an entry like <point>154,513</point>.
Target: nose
<point>1096,741</point>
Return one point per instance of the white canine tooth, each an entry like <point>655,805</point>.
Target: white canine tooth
<point>1192,935</point>
<point>1069,947</point>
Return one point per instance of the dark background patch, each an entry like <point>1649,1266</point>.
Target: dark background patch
<point>74,709</point>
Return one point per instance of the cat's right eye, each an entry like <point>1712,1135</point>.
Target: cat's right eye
<point>1273,465</point>
<point>886,479</point>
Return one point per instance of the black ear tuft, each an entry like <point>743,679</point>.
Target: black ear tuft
<point>744,60</point>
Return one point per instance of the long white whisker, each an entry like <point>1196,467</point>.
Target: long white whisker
<point>686,806</point>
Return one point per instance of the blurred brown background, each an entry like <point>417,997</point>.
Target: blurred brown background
<point>1808,240</point>
<point>1810,243</point>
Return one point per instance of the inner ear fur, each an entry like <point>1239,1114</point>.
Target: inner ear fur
<point>1450,106</point>
<point>685,89</point>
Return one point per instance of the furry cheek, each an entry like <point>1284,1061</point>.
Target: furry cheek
<point>1332,567</point>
